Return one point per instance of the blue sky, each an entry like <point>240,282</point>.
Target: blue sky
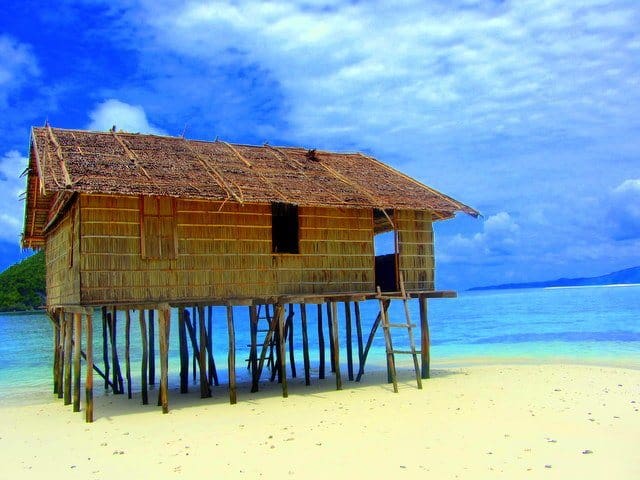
<point>526,110</point>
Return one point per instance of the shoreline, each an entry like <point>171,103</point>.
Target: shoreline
<point>488,421</point>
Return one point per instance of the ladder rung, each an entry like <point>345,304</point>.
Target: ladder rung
<point>400,325</point>
<point>407,352</point>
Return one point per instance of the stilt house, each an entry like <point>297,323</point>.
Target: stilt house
<point>133,221</point>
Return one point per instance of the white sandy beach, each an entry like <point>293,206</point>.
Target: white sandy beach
<point>498,421</point>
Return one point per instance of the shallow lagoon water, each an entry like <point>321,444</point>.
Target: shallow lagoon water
<point>573,325</point>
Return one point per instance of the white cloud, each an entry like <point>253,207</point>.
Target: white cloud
<point>129,118</point>
<point>12,164</point>
<point>500,236</point>
<point>17,65</point>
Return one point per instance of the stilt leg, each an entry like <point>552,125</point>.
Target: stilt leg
<point>232,356</point>
<point>77,348</point>
<point>336,345</point>
<point>68,331</point>
<point>165,317</point>
<point>145,356</point>
<point>305,344</point>
<point>88,384</point>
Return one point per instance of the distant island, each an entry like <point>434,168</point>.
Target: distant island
<point>621,277</point>
<point>22,286</point>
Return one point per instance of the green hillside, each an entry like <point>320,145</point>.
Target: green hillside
<point>22,286</point>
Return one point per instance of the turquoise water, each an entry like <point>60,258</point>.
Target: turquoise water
<point>587,324</point>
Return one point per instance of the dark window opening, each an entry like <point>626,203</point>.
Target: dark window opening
<point>284,228</point>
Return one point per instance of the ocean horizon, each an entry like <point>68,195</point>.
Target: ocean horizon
<point>591,324</point>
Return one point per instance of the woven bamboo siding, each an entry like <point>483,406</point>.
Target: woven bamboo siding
<point>62,261</point>
<point>224,250</point>
<point>415,246</point>
<point>336,253</point>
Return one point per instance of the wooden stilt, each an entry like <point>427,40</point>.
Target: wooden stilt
<point>253,352</point>
<point>68,331</point>
<point>289,334</point>
<point>305,344</point>
<point>56,350</point>
<point>232,356</point>
<point>152,348</point>
<point>164,317</point>
<point>127,350</point>
<point>205,390</point>
<point>88,384</point>
<point>356,307</point>
<point>213,373</point>
<point>105,347</point>
<point>332,348</point>
<point>195,361</point>
<point>184,352</point>
<point>349,339</point>
<point>63,326</point>
<point>425,355</point>
<point>145,357</point>
<point>77,344</point>
<point>321,347</point>
<point>336,344</point>
<point>279,317</point>
<point>117,373</point>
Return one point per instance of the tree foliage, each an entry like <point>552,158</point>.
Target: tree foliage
<point>22,286</point>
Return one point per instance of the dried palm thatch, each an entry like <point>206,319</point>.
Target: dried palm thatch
<point>63,162</point>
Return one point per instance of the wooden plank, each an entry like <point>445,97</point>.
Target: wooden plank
<point>231,359</point>
<point>77,343</point>
<point>88,384</point>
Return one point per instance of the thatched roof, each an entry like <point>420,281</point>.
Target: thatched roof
<point>63,162</point>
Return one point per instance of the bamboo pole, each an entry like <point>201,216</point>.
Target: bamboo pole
<point>289,329</point>
<point>425,355</point>
<point>61,355</point>
<point>56,351</point>
<point>164,318</point>
<point>332,344</point>
<point>88,384</point>
<point>145,354</point>
<point>349,339</point>
<point>117,373</point>
<point>305,344</point>
<point>231,359</point>
<point>336,345</point>
<point>152,348</point>
<point>68,331</point>
<point>211,364</point>
<point>205,389</point>
<point>184,352</point>
<point>77,344</point>
<point>356,307</point>
<point>321,347</point>
<point>127,350</point>
<point>253,353</point>
<point>281,349</point>
<point>105,348</point>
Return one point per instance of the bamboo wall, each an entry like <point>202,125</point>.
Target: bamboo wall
<point>62,256</point>
<point>224,251</point>
<point>415,247</point>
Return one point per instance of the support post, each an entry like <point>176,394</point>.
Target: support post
<point>56,350</point>
<point>349,339</point>
<point>279,318</point>
<point>289,332</point>
<point>332,343</point>
<point>68,331</point>
<point>425,344</point>
<point>152,348</point>
<point>77,344</point>
<point>184,352</point>
<point>205,389</point>
<point>356,307</point>
<point>336,344</point>
<point>105,348</point>
<point>305,344</point>
<point>145,354</point>
<point>211,370</point>
<point>88,384</point>
<point>164,315</point>
<point>231,359</point>
<point>63,328</point>
<point>321,347</point>
<point>127,350</point>
<point>253,352</point>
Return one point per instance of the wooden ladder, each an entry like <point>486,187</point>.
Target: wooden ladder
<point>386,328</point>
